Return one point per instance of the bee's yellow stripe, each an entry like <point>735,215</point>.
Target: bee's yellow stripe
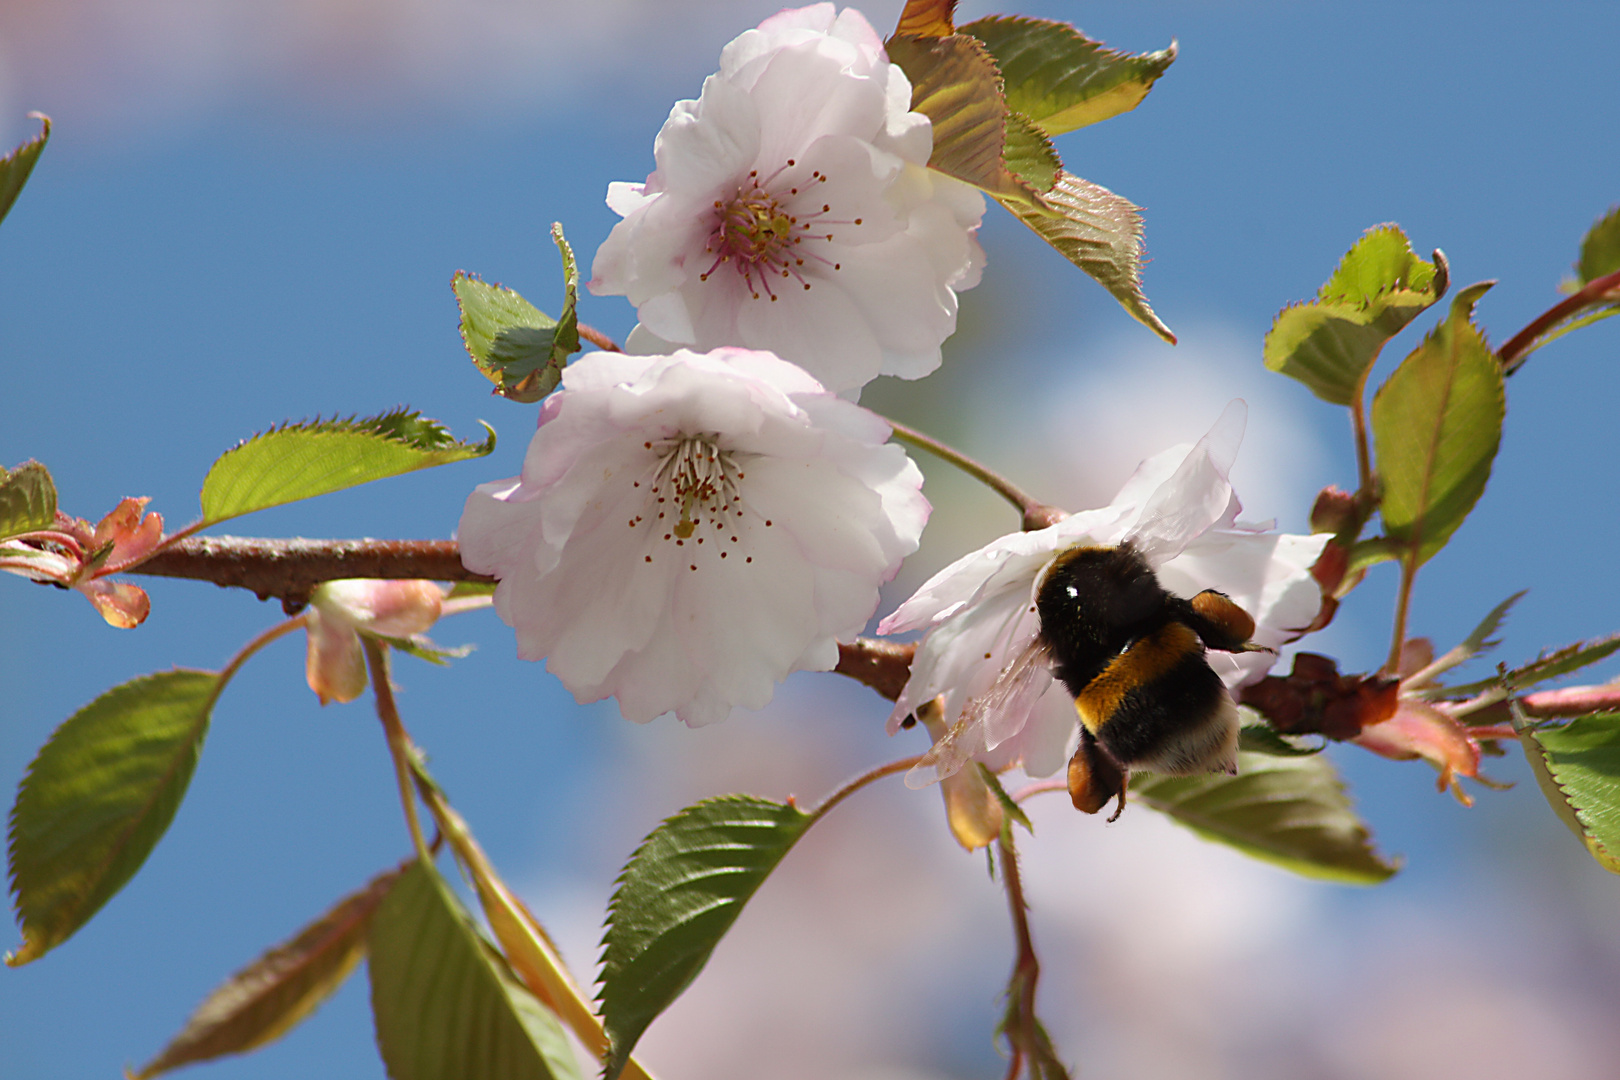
<point>1142,663</point>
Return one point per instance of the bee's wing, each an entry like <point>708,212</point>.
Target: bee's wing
<point>996,714</point>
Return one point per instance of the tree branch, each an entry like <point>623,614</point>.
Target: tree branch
<point>289,570</point>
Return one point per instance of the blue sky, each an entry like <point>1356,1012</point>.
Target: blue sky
<point>249,217</point>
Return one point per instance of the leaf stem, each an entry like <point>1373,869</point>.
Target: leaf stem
<point>1403,603</point>
<point>1358,424</point>
<point>1512,355</point>
<point>1031,508</point>
<point>859,782</point>
<point>399,743</point>
<point>597,338</point>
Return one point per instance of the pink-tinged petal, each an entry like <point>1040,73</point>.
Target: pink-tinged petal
<point>690,528</point>
<point>123,605</point>
<point>393,608</point>
<point>35,564</point>
<point>1418,729</point>
<point>801,160</point>
<point>1196,496</point>
<point>131,535</point>
<point>334,661</point>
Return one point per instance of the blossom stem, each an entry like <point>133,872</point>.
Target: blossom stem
<point>1358,424</point>
<point>1030,507</point>
<point>399,743</point>
<point>597,338</point>
<point>1022,1025</point>
<point>883,665</point>
<point>1512,355</point>
<point>1491,707</point>
<point>859,782</point>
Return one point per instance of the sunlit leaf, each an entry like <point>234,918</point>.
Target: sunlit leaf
<point>1578,767</point>
<point>1029,153</point>
<point>955,84</point>
<point>446,1005</point>
<point>269,997</point>
<point>470,588</point>
<point>99,796</point>
<point>300,461</point>
<point>927,18</point>
<point>27,499</point>
<point>1600,249</point>
<point>1437,424</point>
<point>1478,641</point>
<point>1100,233</point>
<point>1330,343</point>
<point>15,166</point>
<point>1290,811</point>
<point>679,894</point>
<point>1549,665</point>
<point>1061,79</point>
<point>516,346</point>
<point>1260,738</point>
<point>423,648</point>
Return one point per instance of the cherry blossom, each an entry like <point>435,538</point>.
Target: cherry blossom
<point>689,529</point>
<point>339,611</point>
<point>792,210</point>
<point>1179,509</point>
<point>74,554</point>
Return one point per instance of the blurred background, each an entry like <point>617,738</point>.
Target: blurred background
<point>251,212</point>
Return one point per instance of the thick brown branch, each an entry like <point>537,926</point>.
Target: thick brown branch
<point>882,665</point>
<point>291,569</point>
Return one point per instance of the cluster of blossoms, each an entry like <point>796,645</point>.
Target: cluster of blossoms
<point>74,554</point>
<point>708,512</point>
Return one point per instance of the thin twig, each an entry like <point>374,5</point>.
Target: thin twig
<point>1512,355</point>
<point>1403,602</point>
<point>597,338</point>
<point>1027,968</point>
<point>883,665</point>
<point>399,743</point>
<point>859,782</point>
<point>1035,513</point>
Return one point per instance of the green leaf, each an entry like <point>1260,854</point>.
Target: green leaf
<point>300,461</point>
<point>423,648</point>
<point>1289,811</point>
<point>1471,646</point>
<point>1330,343</point>
<point>471,588</point>
<point>1030,154</point>
<point>1600,250</point>
<point>15,166</point>
<point>1261,738</point>
<point>446,1004</point>
<point>99,796</point>
<point>1549,665</point>
<point>678,895</point>
<point>955,84</point>
<point>272,995</point>
<point>1371,552</point>
<point>1012,810</point>
<point>1061,79</point>
<point>1437,424</point>
<point>1100,233</point>
<point>927,18</point>
<point>27,499</point>
<point>1578,767</point>
<point>515,345</point>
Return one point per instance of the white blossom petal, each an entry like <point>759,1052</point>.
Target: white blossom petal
<point>791,210</point>
<point>690,528</point>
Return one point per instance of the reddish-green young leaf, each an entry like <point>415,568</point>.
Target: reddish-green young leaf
<point>515,345</point>
<point>301,461</point>
<point>1331,343</point>
<point>1436,425</point>
<point>27,499</point>
<point>1578,768</point>
<point>269,997</point>
<point>955,84</point>
<point>927,18</point>
<point>1061,79</point>
<point>446,1004</point>
<point>678,895</point>
<point>1290,811</point>
<point>99,796</point>
<point>1100,233</point>
<point>15,166</point>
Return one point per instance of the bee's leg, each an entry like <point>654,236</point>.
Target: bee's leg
<point>1120,808</point>
<point>1094,776</point>
<point>1220,623</point>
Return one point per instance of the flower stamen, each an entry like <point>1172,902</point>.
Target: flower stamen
<point>759,233</point>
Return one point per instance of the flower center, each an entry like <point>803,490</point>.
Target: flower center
<point>761,231</point>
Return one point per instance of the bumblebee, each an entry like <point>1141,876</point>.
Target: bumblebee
<point>1132,656</point>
